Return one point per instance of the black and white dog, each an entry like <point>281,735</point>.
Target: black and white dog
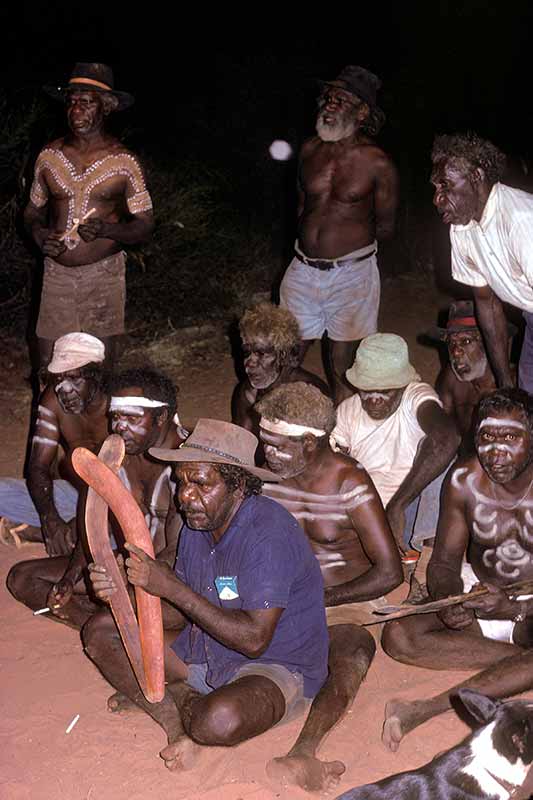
<point>491,763</point>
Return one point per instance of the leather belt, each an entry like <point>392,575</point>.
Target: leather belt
<point>325,264</point>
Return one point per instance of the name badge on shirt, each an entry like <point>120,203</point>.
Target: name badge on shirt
<point>227,587</point>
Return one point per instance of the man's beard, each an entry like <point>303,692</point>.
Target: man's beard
<point>476,371</point>
<point>334,132</point>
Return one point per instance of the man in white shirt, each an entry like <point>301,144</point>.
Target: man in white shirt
<point>396,427</point>
<point>492,242</point>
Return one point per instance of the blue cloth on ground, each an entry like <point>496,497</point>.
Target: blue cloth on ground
<point>16,503</point>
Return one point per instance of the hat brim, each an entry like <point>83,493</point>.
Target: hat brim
<point>394,381</point>
<point>437,334</point>
<point>342,85</point>
<point>188,455</point>
<point>125,100</point>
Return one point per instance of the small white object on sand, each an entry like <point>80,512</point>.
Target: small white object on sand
<point>41,611</point>
<point>74,721</point>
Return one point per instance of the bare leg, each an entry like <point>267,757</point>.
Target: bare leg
<point>509,677</point>
<point>31,581</point>
<point>340,356</point>
<point>351,651</point>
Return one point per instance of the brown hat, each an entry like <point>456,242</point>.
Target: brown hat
<point>91,77</point>
<point>358,81</point>
<point>216,442</point>
<point>461,319</point>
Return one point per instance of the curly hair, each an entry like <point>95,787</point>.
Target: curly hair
<point>155,384</point>
<point>503,401</point>
<point>472,149</point>
<point>237,478</point>
<point>277,325</point>
<point>300,403</point>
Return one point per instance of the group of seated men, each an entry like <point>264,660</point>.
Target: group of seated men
<point>270,560</point>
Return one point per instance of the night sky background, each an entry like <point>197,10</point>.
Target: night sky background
<point>220,85</point>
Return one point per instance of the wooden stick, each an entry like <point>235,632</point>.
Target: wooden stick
<point>396,612</point>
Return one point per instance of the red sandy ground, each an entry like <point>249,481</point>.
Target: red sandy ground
<point>47,680</point>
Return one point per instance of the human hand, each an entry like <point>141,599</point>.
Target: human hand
<point>456,617</point>
<point>52,244</point>
<point>92,229</point>
<point>59,595</point>
<point>59,537</point>
<point>494,605</point>
<point>155,577</point>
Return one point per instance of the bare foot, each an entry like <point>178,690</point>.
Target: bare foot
<point>181,754</point>
<point>118,702</point>
<point>400,718</point>
<point>306,771</point>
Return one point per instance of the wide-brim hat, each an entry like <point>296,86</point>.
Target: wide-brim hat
<point>461,319</point>
<point>215,442</point>
<point>358,81</point>
<point>91,77</point>
<point>382,363</point>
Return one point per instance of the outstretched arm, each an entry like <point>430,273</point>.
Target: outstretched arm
<point>493,324</point>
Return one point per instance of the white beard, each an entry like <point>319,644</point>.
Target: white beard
<point>336,131</point>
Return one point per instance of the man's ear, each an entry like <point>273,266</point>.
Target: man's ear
<point>362,112</point>
<point>162,418</point>
<point>309,442</point>
<point>477,176</point>
<point>110,103</point>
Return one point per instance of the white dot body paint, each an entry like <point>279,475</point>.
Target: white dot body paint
<point>280,150</point>
<point>501,422</point>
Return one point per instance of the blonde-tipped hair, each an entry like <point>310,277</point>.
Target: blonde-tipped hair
<point>277,325</point>
<point>300,403</point>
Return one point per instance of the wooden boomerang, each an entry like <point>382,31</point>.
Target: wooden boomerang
<point>385,613</point>
<point>143,641</point>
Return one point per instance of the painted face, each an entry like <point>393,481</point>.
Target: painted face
<point>468,359</point>
<point>85,111</point>
<point>138,427</point>
<point>380,405</point>
<point>204,498</point>
<point>73,391</point>
<point>456,197</point>
<point>261,362</point>
<point>284,454</point>
<point>336,118</point>
<point>503,444</point>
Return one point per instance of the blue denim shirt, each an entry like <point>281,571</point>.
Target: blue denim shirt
<point>263,560</point>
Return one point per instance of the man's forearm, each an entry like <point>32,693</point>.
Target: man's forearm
<point>41,489</point>
<point>373,583</point>
<point>493,325</point>
<point>234,629</point>
<point>435,453</point>
<point>76,564</point>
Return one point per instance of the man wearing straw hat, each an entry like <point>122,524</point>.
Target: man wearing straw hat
<point>88,200</point>
<point>396,427</point>
<point>248,591</point>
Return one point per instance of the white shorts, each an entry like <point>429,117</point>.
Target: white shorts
<point>344,301</point>
<point>500,630</point>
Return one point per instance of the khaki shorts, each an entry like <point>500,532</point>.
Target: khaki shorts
<point>90,298</point>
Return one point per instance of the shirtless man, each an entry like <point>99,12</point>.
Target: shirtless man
<point>347,199</point>
<point>335,501</point>
<point>88,200</point>
<point>486,516</point>
<point>142,409</point>
<point>271,345</point>
<point>71,413</point>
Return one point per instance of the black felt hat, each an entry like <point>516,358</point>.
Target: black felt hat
<point>94,78</point>
<point>358,81</point>
<point>461,319</point>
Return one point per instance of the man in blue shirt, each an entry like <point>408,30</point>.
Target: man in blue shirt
<point>254,644</point>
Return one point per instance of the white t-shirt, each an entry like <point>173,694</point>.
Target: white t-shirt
<point>498,250</point>
<point>386,448</point>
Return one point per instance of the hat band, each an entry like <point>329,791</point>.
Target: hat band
<point>92,83</point>
<point>471,322</point>
<point>216,452</point>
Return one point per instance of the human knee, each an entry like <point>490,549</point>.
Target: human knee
<point>216,721</point>
<point>398,641</point>
<point>19,580</point>
<point>95,633</point>
<point>350,642</point>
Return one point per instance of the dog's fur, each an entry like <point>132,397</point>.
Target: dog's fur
<point>482,766</point>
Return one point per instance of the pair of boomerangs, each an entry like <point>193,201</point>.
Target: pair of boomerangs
<point>143,640</point>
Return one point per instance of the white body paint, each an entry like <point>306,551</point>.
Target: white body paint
<point>503,446</point>
<point>373,395</point>
<point>485,759</point>
<point>44,424</point>
<point>501,422</point>
<point>319,507</point>
<point>46,412</point>
<point>44,440</point>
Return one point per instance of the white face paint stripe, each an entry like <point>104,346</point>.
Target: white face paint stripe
<point>288,428</point>
<point>131,411</point>
<point>139,402</point>
<point>507,448</point>
<point>45,424</point>
<point>501,422</point>
<point>46,411</point>
<point>44,440</point>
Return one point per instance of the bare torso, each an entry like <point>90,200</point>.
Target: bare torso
<point>338,182</point>
<point>150,483</point>
<point>80,185</point>
<point>460,398</point>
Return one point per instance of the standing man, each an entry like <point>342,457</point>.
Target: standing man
<point>347,199</point>
<point>88,200</point>
<point>492,242</point>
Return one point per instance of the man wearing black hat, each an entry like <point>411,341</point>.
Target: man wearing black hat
<point>88,200</point>
<point>348,195</point>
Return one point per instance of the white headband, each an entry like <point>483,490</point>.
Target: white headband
<point>139,402</point>
<point>288,428</point>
